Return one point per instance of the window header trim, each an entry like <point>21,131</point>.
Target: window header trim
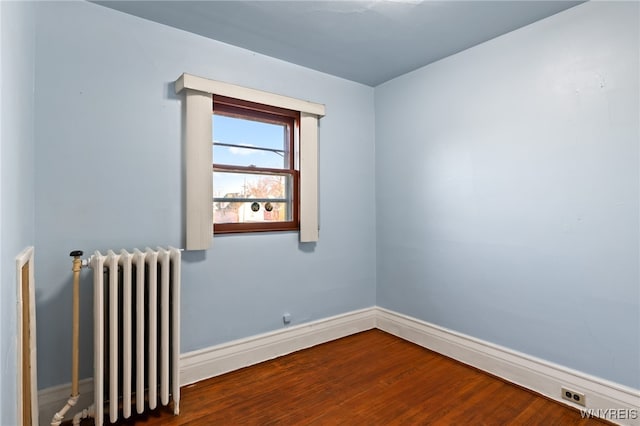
<point>214,87</point>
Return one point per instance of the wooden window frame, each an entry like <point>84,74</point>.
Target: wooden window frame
<point>243,109</point>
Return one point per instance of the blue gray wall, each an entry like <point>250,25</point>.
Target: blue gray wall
<point>507,185</point>
<point>109,175</point>
<point>17,55</point>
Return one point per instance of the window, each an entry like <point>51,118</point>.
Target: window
<point>255,181</point>
<point>198,155</point>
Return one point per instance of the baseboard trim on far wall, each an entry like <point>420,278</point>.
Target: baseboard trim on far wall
<point>611,401</point>
<point>205,363</point>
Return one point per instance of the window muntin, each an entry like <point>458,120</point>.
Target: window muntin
<point>255,181</point>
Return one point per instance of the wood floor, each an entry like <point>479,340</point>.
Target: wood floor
<point>370,378</point>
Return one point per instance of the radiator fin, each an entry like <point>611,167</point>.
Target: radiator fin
<point>137,331</point>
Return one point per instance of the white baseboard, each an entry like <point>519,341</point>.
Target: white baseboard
<point>532,373</point>
<point>205,363</point>
<point>611,399</point>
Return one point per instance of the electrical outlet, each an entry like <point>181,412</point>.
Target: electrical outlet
<point>573,396</point>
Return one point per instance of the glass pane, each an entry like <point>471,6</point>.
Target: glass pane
<point>253,211</point>
<point>241,142</point>
<point>251,197</point>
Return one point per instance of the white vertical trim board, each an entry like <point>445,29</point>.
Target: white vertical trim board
<point>26,257</point>
<point>308,178</point>
<point>538,375</point>
<point>198,172</point>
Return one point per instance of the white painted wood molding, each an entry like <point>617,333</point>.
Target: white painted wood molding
<point>309,211</point>
<point>199,154</point>
<point>214,87</point>
<point>26,257</point>
<point>199,173</point>
<point>220,359</point>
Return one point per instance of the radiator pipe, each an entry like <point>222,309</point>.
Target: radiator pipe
<point>75,338</point>
<point>59,416</point>
<point>75,354</point>
<point>84,414</point>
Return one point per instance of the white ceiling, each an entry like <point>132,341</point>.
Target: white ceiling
<point>365,41</point>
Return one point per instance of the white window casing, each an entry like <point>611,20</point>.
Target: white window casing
<point>198,174</point>
<point>309,226</point>
<point>199,156</point>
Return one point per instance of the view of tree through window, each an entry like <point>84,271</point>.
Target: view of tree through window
<point>254,179</point>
